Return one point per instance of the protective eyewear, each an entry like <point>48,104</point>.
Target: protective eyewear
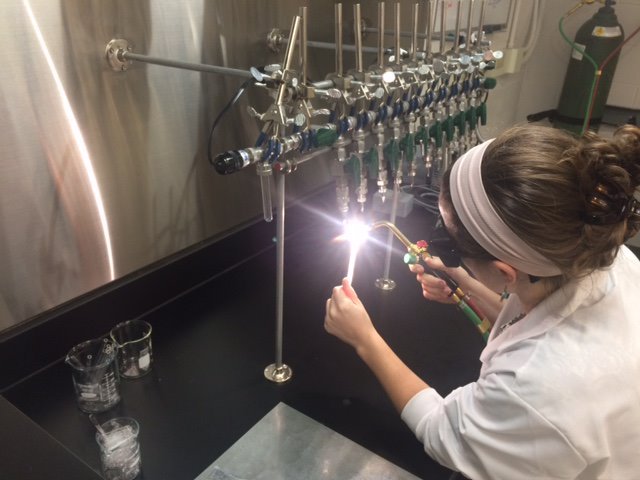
<point>442,245</point>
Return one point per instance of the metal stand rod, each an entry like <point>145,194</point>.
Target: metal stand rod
<point>303,44</point>
<point>384,282</point>
<point>456,40</point>
<point>415,9</point>
<point>426,45</point>
<point>279,372</point>
<point>280,267</point>
<point>357,28</point>
<point>338,37</point>
<point>481,23</point>
<point>199,67</point>
<point>288,59</point>
<point>381,35</point>
<point>397,30</point>
<point>469,27</point>
<point>443,18</point>
<point>120,57</point>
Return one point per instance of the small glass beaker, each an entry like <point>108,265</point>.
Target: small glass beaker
<point>133,339</point>
<point>119,449</point>
<point>95,377</point>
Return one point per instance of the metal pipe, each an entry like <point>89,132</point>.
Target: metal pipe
<point>332,46</point>
<point>443,17</point>
<point>324,84</point>
<point>456,40</point>
<point>279,372</point>
<point>201,67</point>
<point>469,19</point>
<point>357,30</point>
<point>288,58</point>
<point>311,155</point>
<point>397,19</point>
<point>198,67</point>
<point>303,44</point>
<point>338,35</point>
<point>483,4</point>
<point>380,35</point>
<point>280,181</point>
<point>435,18</point>
<point>426,45</point>
<point>414,38</point>
<point>288,55</point>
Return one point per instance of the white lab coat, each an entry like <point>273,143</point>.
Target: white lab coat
<point>558,395</point>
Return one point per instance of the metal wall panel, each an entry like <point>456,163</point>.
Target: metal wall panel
<point>103,173</point>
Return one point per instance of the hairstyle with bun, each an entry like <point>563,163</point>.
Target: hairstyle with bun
<point>571,199</point>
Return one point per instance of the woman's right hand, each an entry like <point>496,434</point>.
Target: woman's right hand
<point>434,288</point>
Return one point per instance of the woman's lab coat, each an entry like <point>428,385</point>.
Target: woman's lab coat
<point>559,391</point>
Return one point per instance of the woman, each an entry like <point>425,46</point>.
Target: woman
<point>541,217</point>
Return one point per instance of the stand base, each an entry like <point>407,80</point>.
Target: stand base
<point>278,374</point>
<point>385,284</point>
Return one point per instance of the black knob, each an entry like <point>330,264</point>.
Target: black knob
<point>229,162</point>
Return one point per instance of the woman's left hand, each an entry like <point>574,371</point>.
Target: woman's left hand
<point>346,317</point>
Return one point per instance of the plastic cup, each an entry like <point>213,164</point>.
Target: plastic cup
<point>133,341</point>
<point>95,377</point>
<point>120,449</point>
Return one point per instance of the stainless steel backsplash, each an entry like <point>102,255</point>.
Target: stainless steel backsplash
<point>103,173</point>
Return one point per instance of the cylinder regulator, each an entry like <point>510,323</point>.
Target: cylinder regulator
<point>598,37</point>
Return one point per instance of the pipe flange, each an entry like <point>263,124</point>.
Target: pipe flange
<point>275,39</point>
<point>114,53</point>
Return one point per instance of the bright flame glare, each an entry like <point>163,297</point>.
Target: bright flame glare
<point>356,233</point>
<point>349,225</point>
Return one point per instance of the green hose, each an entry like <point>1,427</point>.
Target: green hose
<point>475,319</point>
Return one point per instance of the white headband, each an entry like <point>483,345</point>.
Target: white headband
<point>484,224</point>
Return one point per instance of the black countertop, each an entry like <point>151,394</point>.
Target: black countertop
<point>212,343</point>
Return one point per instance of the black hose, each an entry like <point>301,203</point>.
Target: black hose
<point>246,84</point>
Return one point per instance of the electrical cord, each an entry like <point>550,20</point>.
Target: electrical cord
<point>246,84</point>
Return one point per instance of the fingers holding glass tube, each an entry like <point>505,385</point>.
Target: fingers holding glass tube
<point>346,317</point>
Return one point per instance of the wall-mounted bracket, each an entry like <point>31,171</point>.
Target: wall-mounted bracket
<point>114,52</point>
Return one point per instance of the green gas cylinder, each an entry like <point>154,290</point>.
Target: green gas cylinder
<point>598,36</point>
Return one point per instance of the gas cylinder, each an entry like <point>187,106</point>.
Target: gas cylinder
<point>598,36</point>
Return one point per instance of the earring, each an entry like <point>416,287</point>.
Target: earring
<point>504,295</point>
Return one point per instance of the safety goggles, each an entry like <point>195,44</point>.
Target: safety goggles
<point>442,245</point>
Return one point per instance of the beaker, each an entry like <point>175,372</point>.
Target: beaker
<point>119,449</point>
<point>133,342</point>
<point>95,377</point>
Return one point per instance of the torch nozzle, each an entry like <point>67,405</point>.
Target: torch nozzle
<point>399,235</point>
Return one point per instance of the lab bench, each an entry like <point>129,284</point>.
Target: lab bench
<point>212,310</point>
